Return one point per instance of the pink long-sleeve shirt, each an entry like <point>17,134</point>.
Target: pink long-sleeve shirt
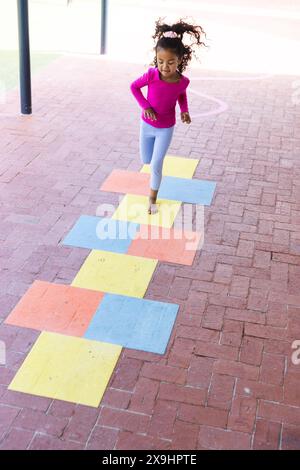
<point>161,97</point>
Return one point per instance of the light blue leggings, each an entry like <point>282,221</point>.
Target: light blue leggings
<point>154,143</point>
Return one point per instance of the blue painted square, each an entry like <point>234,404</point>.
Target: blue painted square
<point>187,190</point>
<point>101,233</point>
<point>133,323</point>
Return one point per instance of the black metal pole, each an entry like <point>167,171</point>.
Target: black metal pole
<point>24,57</point>
<point>103,26</point>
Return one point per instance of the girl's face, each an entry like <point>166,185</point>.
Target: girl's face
<point>167,62</point>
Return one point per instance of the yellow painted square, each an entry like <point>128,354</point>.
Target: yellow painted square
<point>67,368</point>
<point>134,208</point>
<point>176,166</point>
<point>115,273</point>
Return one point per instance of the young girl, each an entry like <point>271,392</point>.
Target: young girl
<point>166,86</point>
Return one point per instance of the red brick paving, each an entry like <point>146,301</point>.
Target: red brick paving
<point>226,380</point>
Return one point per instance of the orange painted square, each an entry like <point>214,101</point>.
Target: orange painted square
<point>162,244</point>
<point>123,181</point>
<point>56,307</point>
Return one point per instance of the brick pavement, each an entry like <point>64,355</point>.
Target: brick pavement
<point>226,380</point>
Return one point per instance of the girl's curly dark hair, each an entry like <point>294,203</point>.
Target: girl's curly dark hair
<point>182,51</point>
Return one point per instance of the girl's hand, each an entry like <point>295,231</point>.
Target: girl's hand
<point>150,114</point>
<point>185,117</point>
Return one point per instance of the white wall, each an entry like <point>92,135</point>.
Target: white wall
<point>257,36</point>
<point>54,26</point>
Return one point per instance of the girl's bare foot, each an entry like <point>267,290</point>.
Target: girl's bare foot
<point>152,208</point>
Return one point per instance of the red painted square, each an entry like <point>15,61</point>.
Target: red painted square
<point>56,307</point>
<point>127,182</point>
<point>165,244</point>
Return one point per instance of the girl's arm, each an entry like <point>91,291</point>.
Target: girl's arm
<point>135,88</point>
<point>182,101</point>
